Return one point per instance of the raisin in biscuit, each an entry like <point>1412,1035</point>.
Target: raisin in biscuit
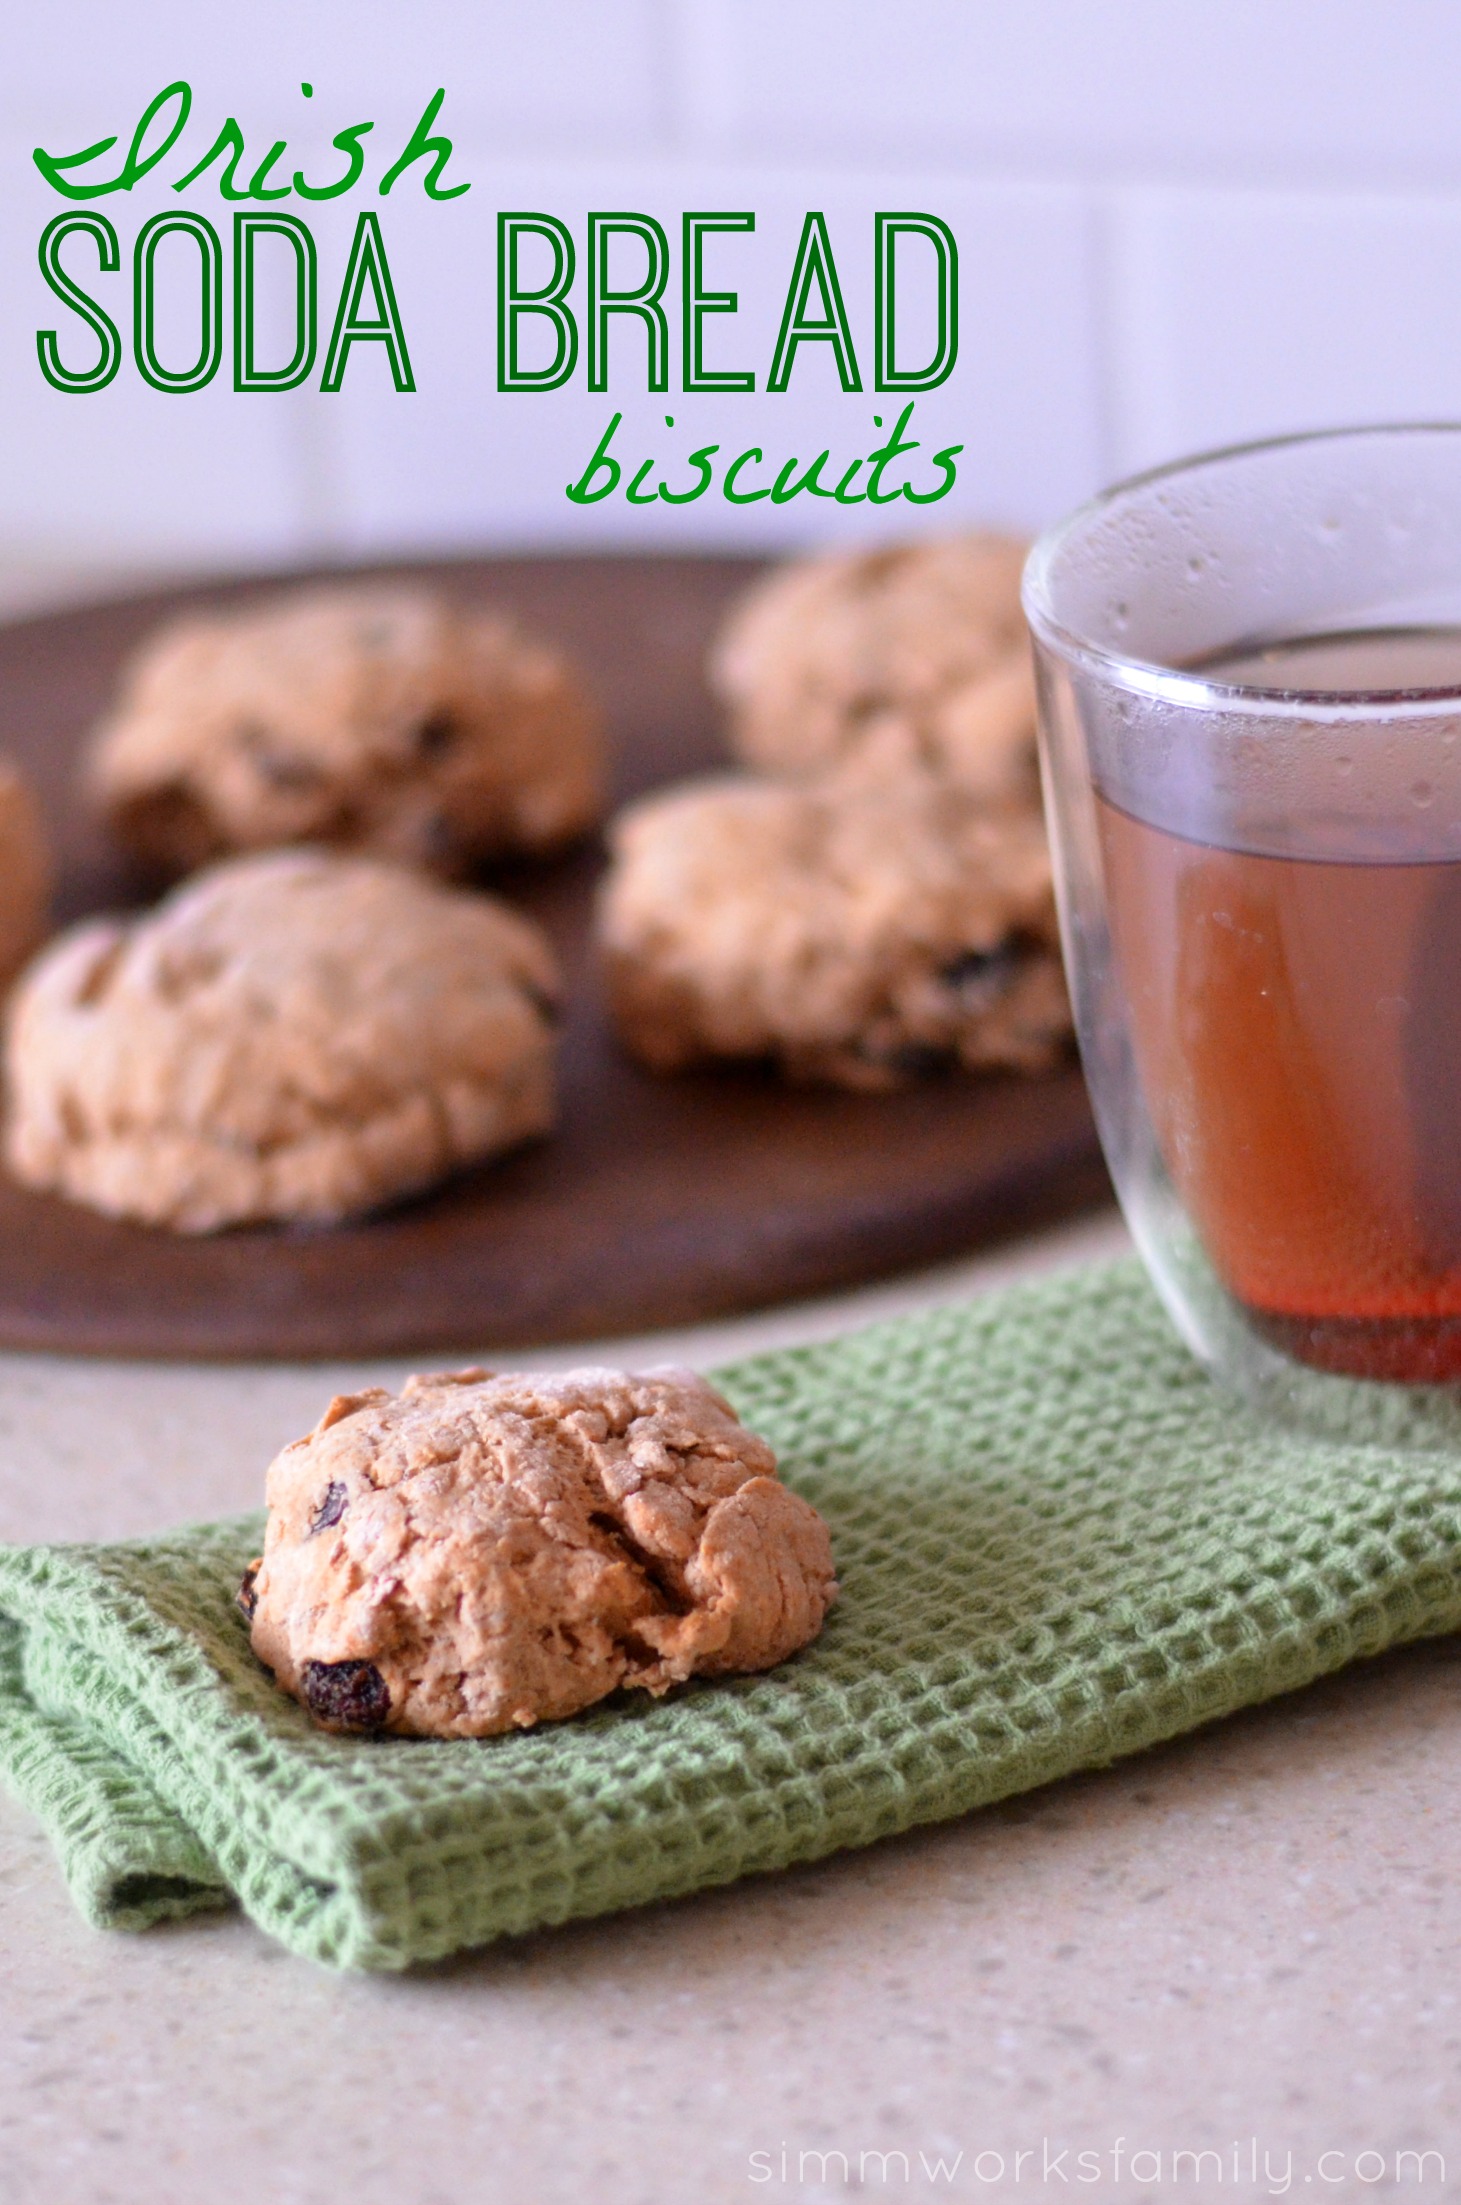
<point>887,659</point>
<point>372,718</point>
<point>479,1553</point>
<point>291,1036</point>
<point>25,873</point>
<point>856,935</point>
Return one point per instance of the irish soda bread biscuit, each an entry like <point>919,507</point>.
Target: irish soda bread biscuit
<point>889,659</point>
<point>857,936</point>
<point>370,717</point>
<point>25,874</point>
<point>478,1553</point>
<point>295,1035</point>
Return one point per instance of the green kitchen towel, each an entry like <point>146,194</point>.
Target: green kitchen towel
<point>1057,1543</point>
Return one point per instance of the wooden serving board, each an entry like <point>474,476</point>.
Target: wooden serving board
<point>658,1201</point>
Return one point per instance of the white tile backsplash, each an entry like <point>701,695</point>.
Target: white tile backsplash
<point>1245,314</point>
<point>573,74</point>
<point>1180,221</point>
<point>128,471</point>
<point>1334,90</point>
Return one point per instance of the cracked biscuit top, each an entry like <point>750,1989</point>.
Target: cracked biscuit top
<point>368,717</point>
<point>887,659</point>
<point>856,934</point>
<point>290,1036</point>
<point>481,1552</point>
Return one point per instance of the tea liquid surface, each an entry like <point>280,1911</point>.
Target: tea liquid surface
<point>1297,1026</point>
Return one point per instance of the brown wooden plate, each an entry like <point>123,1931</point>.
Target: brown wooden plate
<point>657,1202</point>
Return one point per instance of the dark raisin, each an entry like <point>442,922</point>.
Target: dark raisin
<point>287,773</point>
<point>981,970</point>
<point>280,768</point>
<point>436,735</point>
<point>346,1695</point>
<point>246,1596</point>
<point>916,1060</point>
<point>330,1510</point>
<point>438,841</point>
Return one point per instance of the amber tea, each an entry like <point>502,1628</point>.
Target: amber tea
<point>1296,1021</point>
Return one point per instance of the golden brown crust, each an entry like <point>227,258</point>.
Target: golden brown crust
<point>366,717</point>
<point>480,1553</point>
<point>290,1036</point>
<point>889,660</point>
<point>856,934</point>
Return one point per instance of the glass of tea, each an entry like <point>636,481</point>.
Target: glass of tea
<point>1250,699</point>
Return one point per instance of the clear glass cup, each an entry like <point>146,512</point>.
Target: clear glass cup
<point>1249,669</point>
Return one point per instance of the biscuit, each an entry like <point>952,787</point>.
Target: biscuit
<point>369,717</point>
<point>25,873</point>
<point>479,1553</point>
<point>296,1035</point>
<point>857,936</point>
<point>887,660</point>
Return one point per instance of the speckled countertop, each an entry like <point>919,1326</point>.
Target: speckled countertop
<point>1228,1968</point>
